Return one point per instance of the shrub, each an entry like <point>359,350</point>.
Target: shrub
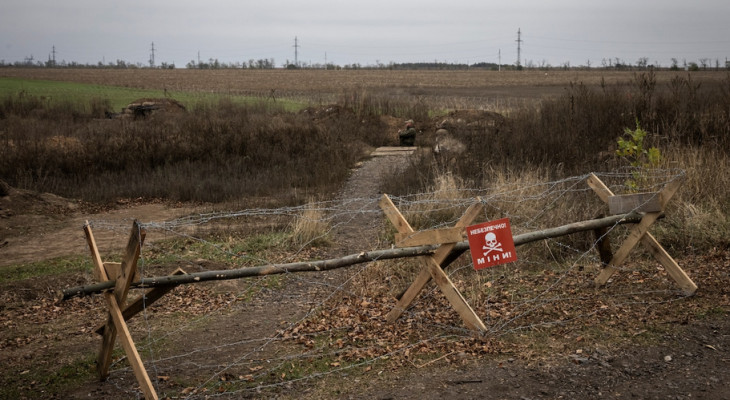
<point>215,153</point>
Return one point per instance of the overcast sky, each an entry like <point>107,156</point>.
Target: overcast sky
<point>366,32</point>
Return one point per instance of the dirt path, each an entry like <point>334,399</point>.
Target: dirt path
<point>356,229</point>
<point>37,237</point>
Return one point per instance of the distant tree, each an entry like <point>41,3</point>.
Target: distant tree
<point>675,65</point>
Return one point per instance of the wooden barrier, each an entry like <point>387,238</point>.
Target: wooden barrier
<point>346,261</point>
<point>654,205</point>
<point>115,299</point>
<point>437,248</point>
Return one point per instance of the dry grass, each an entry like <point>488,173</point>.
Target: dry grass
<point>215,153</point>
<point>310,228</point>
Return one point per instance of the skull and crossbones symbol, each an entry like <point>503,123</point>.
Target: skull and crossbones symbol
<point>492,243</point>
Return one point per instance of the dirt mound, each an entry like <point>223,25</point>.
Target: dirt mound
<point>324,113</point>
<point>143,107</point>
<point>18,201</point>
<point>469,120</point>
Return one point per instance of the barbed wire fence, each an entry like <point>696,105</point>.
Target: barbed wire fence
<point>264,335</point>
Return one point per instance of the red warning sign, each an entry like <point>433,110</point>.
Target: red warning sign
<point>491,243</point>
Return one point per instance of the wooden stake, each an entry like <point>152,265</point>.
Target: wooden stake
<point>671,266</point>
<point>603,243</point>
<point>433,236</point>
<point>144,300</point>
<point>635,235</point>
<point>115,323</point>
<point>129,348</point>
<point>640,234</point>
<point>433,270</point>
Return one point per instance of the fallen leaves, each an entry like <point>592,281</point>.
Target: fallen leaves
<point>354,330</point>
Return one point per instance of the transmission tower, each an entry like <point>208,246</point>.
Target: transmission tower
<point>152,56</point>
<point>519,47</point>
<point>296,51</point>
<point>53,60</point>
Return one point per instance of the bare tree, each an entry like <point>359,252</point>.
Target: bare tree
<point>704,62</point>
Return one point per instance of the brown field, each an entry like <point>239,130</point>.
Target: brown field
<point>552,334</point>
<point>485,84</point>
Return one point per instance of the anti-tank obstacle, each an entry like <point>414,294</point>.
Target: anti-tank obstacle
<point>438,248</point>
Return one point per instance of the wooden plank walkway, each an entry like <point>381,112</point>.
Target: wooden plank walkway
<point>393,151</point>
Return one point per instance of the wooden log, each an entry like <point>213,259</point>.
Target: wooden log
<point>352,259</point>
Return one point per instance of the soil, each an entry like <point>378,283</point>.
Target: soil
<point>688,360</point>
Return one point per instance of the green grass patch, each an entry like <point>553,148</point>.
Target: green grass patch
<point>57,266</point>
<point>712,313</point>
<point>39,383</point>
<point>82,93</point>
<point>239,252</point>
<point>57,92</point>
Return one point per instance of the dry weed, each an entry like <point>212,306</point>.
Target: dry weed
<point>310,227</point>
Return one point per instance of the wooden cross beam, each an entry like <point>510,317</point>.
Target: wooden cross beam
<point>654,207</point>
<point>143,301</point>
<point>116,323</point>
<point>432,268</point>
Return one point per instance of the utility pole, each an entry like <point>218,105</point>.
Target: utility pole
<point>152,56</point>
<point>296,52</point>
<point>53,60</point>
<point>499,55</point>
<point>519,47</point>
<point>198,58</point>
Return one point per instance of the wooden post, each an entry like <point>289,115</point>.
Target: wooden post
<point>115,321</point>
<point>640,234</point>
<point>432,269</point>
<point>603,244</point>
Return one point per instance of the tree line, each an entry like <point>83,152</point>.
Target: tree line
<point>615,63</point>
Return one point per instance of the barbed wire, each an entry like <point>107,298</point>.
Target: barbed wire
<point>529,205</point>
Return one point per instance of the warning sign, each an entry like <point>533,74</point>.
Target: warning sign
<point>491,243</point>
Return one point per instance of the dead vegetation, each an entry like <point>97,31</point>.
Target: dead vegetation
<point>544,315</point>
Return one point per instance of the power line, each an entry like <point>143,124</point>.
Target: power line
<point>152,56</point>
<point>296,51</point>
<point>519,46</point>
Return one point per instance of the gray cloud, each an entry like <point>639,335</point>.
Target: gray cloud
<point>365,32</point>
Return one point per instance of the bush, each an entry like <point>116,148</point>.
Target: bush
<point>215,153</point>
